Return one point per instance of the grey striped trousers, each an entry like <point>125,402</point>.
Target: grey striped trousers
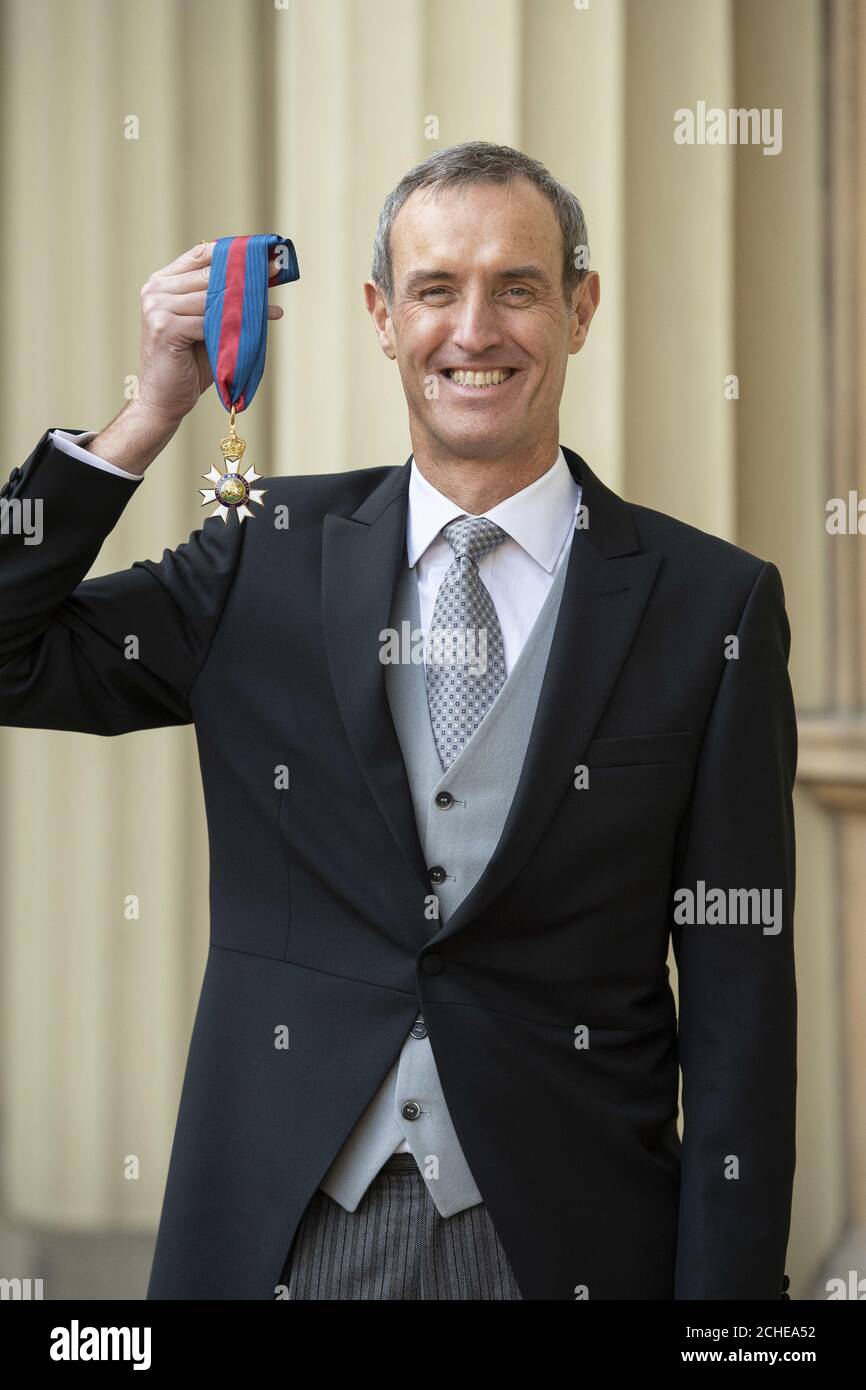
<point>395,1245</point>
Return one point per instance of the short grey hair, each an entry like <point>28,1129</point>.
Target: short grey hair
<point>479,161</point>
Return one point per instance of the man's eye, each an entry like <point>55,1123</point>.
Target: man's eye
<point>437,289</point>
<point>518,289</point>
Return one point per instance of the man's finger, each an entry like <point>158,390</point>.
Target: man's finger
<point>188,304</point>
<point>192,305</point>
<point>184,282</point>
<point>188,281</point>
<point>193,259</point>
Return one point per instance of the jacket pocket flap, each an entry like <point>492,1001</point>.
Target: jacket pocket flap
<point>637,748</point>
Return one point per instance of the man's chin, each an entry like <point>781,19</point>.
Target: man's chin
<point>465,442</point>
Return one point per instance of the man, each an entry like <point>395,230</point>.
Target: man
<point>436,1052</point>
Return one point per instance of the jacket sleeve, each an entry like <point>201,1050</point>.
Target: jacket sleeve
<point>737,990</point>
<point>107,655</point>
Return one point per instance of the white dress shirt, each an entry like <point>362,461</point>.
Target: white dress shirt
<point>539,521</point>
<point>72,444</point>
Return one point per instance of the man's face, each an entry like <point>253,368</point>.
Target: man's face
<point>478,289</point>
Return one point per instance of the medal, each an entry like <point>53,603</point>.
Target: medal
<point>231,490</point>
<point>235,335</point>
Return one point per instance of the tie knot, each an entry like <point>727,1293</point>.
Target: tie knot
<point>473,536</point>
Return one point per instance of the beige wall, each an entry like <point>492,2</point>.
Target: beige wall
<point>299,120</point>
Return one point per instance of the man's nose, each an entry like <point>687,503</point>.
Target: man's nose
<point>476,325</point>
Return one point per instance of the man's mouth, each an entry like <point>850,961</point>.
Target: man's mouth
<point>480,380</point>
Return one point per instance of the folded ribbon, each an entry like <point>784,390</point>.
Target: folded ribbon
<point>236,311</point>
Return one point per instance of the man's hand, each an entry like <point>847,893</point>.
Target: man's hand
<point>174,366</point>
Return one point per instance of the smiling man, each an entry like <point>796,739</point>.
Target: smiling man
<point>478,295</point>
<point>458,906</point>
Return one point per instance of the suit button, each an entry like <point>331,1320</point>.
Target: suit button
<point>411,1110</point>
<point>437,874</point>
<point>418,1029</point>
<point>444,800</point>
<point>432,964</point>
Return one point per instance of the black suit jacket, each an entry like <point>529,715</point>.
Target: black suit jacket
<point>267,640</point>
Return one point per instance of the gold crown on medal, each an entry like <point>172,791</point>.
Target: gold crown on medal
<point>233,447</point>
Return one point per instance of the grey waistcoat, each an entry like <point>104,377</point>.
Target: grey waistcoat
<point>461,838</point>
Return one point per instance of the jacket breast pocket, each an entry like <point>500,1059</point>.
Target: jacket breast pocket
<point>638,749</point>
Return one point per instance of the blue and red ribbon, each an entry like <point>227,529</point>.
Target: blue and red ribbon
<point>236,311</point>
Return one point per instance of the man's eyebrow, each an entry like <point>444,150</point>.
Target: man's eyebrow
<point>514,272</point>
<point>524,272</point>
<point>420,277</point>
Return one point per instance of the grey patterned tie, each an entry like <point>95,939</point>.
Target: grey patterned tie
<point>465,669</point>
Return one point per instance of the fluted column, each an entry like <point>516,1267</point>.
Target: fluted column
<point>680,430</point>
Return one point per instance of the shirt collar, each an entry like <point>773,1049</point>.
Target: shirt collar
<point>539,517</point>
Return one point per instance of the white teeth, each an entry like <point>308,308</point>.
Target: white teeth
<point>480,378</point>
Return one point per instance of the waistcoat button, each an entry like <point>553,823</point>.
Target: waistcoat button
<point>411,1110</point>
<point>444,800</point>
<point>437,874</point>
<point>418,1029</point>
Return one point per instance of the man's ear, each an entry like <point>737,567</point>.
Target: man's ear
<point>585,299</point>
<point>379,313</point>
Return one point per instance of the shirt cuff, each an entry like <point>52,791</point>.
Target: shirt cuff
<point>70,443</point>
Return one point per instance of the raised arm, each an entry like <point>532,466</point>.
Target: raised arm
<point>108,655</point>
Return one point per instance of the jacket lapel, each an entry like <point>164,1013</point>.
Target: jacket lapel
<point>607,585</point>
<point>361,559</point>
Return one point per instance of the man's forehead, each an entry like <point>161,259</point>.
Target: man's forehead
<point>517,201</point>
<point>488,221</point>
